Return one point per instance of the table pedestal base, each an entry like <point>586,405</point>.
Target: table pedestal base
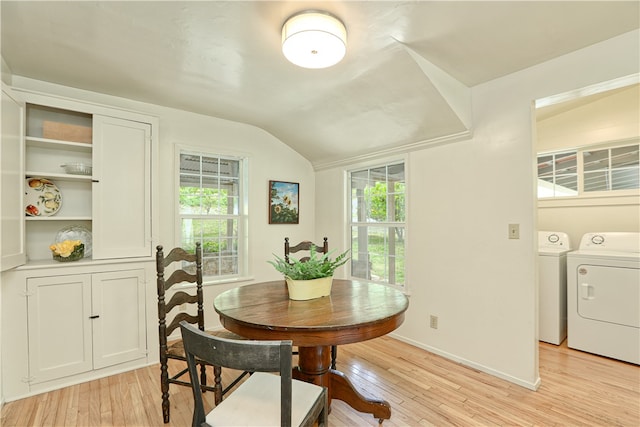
<point>314,367</point>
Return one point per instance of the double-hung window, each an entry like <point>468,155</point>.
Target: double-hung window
<point>377,223</point>
<point>211,206</point>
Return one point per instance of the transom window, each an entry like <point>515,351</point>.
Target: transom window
<point>377,223</point>
<point>558,174</point>
<point>588,171</point>
<point>611,169</point>
<point>210,211</point>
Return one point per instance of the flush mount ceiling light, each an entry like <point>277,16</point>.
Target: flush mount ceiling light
<point>314,39</point>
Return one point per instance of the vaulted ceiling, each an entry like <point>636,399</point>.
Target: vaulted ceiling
<point>405,78</point>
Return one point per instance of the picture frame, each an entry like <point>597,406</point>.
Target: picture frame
<point>284,200</point>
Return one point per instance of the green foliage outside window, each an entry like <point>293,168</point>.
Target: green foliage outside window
<point>378,199</point>
<point>377,196</point>
<point>203,200</point>
<point>209,199</point>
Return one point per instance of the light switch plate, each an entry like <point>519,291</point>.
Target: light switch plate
<point>514,231</point>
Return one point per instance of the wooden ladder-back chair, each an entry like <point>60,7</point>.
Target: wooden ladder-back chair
<point>184,296</point>
<point>264,398</point>
<point>305,245</point>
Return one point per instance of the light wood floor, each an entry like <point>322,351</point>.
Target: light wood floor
<point>578,389</point>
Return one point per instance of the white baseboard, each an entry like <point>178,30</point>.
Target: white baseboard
<point>526,384</point>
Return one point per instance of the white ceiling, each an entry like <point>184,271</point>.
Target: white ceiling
<point>223,59</point>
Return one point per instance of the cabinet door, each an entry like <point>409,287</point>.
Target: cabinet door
<point>119,333</point>
<point>59,326</point>
<point>121,195</point>
<point>12,250</point>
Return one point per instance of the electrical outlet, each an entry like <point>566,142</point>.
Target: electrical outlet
<point>514,231</point>
<point>433,322</point>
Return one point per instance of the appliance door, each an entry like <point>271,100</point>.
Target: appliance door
<point>609,294</point>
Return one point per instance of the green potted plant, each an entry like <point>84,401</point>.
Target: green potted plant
<point>311,278</point>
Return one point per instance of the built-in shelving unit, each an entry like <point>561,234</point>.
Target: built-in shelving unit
<point>44,157</point>
<point>89,313</point>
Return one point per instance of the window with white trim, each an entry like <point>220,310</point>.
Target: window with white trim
<point>611,169</point>
<point>377,223</point>
<point>589,171</point>
<point>211,211</point>
<point>558,174</point>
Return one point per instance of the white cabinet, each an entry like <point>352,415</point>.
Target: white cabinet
<point>114,200</point>
<point>83,322</point>
<point>70,322</point>
<point>118,317</point>
<point>121,188</point>
<point>12,250</point>
<point>59,327</point>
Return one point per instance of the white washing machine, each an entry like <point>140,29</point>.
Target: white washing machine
<point>552,286</point>
<point>603,295</point>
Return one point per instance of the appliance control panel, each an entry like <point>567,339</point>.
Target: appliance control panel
<point>553,239</point>
<point>611,241</point>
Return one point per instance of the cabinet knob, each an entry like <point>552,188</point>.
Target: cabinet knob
<point>94,317</point>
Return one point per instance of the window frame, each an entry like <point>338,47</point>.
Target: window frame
<point>242,215</point>
<point>350,224</point>
<point>610,169</point>
<point>555,174</point>
<point>602,197</point>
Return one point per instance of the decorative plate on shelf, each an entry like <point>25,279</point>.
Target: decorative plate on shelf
<point>42,197</point>
<point>76,232</point>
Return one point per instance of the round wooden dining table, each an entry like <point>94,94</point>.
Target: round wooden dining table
<point>355,311</point>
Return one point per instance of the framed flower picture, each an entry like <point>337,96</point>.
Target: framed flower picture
<point>283,202</point>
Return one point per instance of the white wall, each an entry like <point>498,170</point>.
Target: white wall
<point>269,159</point>
<point>5,72</point>
<point>606,118</point>
<point>462,196</point>
<point>612,118</point>
<point>576,220</point>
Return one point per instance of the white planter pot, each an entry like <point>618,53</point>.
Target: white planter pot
<point>309,289</point>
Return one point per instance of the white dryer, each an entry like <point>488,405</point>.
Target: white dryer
<point>552,286</point>
<point>603,295</point>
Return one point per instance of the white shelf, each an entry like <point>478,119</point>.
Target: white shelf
<point>79,198</point>
<point>58,218</point>
<point>58,176</point>
<point>50,262</point>
<point>33,141</point>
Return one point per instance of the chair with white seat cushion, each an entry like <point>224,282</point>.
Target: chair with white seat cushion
<point>264,399</point>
